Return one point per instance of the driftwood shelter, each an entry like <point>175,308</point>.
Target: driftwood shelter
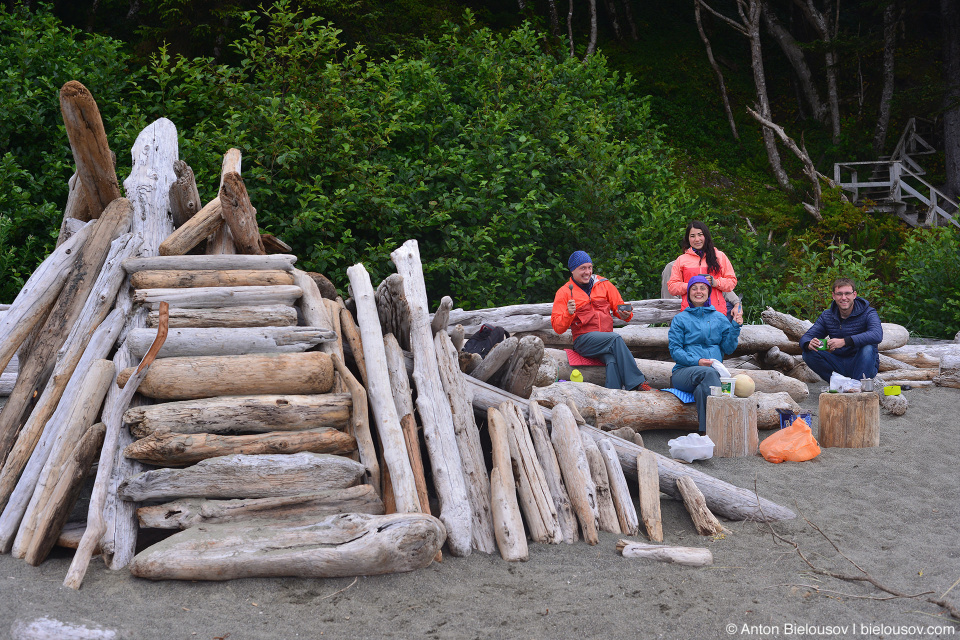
<point>278,431</point>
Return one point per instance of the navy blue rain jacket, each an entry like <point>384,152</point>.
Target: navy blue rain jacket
<point>861,327</point>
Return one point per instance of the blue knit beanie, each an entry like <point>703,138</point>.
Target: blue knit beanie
<point>704,280</point>
<point>578,258</point>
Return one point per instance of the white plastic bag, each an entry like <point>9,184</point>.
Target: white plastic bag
<point>722,370</point>
<point>690,447</point>
<point>843,384</point>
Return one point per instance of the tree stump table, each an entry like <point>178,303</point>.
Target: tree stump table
<point>850,420</point>
<point>732,425</point>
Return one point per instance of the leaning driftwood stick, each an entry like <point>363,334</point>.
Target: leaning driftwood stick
<point>184,196</point>
<point>381,394</point>
<point>77,210</point>
<point>206,376</point>
<point>687,556</point>
<point>551,471</point>
<point>249,414</point>
<point>190,512</point>
<point>240,476</point>
<point>212,341</point>
<point>207,297</point>
<point>494,360</point>
<point>468,443</point>
<point>792,366</point>
<point>37,295</point>
<point>278,262</point>
<point>205,223</point>
<point>359,427</point>
<point>312,305</point>
<point>576,471</point>
<point>182,278</point>
<point>272,244</point>
<point>606,511</point>
<point>649,484</point>
<point>183,449</point>
<point>351,332</point>
<point>337,546</point>
<point>74,425</point>
<point>507,523</point>
<point>393,310</point>
<point>240,215</point>
<point>112,419</point>
<point>535,499</point>
<point>277,315</point>
<point>434,410</point>
<point>523,366</point>
<point>221,240</point>
<point>91,151</point>
<point>705,522</point>
<point>626,512</point>
<point>439,319</point>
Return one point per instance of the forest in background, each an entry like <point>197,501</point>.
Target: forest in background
<point>471,127</point>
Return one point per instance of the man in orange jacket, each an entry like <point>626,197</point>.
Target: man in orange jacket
<point>586,305</point>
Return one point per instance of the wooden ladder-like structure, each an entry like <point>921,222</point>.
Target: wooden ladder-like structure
<point>894,183</point>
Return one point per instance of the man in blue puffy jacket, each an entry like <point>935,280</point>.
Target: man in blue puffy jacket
<point>854,330</point>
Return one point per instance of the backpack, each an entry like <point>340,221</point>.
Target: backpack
<point>485,339</point>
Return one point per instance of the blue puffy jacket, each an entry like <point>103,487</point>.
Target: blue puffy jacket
<point>861,327</point>
<point>701,332</point>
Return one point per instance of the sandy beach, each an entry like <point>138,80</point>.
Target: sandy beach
<point>893,509</point>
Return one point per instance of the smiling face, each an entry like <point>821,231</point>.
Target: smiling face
<point>581,275</point>
<point>844,295</point>
<point>696,238</point>
<point>699,292</point>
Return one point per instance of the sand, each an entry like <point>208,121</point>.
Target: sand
<point>893,509</point>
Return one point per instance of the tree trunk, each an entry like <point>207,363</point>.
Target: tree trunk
<point>523,366</point>
<point>819,21</point>
<point>894,335</point>
<point>614,21</point>
<point>351,544</point>
<point>77,210</point>
<point>250,414</point>
<point>496,359</point>
<point>190,512</point>
<point>798,61</point>
<point>752,25</point>
<point>950,26</point>
<point>221,239</point>
<point>716,70</point>
<point>886,96</point>
<point>91,151</point>
<point>592,46</point>
<point>393,309</point>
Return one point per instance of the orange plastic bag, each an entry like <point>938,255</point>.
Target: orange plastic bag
<point>795,443</point>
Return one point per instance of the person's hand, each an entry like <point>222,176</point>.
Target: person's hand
<point>705,362</point>
<point>836,343</point>
<point>738,315</point>
<point>571,306</point>
<point>711,280</point>
<point>814,344</point>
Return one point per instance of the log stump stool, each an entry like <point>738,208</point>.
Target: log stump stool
<point>732,425</point>
<point>849,420</point>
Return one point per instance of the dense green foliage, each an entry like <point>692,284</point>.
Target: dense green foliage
<point>927,296</point>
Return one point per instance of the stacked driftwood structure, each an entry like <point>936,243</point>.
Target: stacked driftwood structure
<point>279,430</point>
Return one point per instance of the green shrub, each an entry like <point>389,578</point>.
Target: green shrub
<point>927,297</point>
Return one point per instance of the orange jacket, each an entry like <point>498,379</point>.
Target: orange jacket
<point>593,313</point>
<point>690,264</point>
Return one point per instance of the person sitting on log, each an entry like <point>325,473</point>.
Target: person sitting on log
<point>699,335</point>
<point>586,305</point>
<point>854,331</point>
<point>700,257</point>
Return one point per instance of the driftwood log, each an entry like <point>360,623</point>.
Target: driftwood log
<point>949,375</point>
<point>393,310</point>
<point>789,365</point>
<point>566,518</point>
<point>523,367</point>
<point>850,420</point>
<point>221,240</point>
<point>648,483</point>
<point>687,556</point>
<point>76,212</point>
<point>648,410</point>
<point>359,426</point>
<point>206,376</point>
<point>240,215</point>
<point>619,491</point>
<point>705,522</point>
<point>279,262</point>
<point>184,196</point>
<point>210,297</point>
<point>337,546</point>
<point>496,359</point>
<point>507,523</point>
<point>923,355</point>
<point>187,342</point>
<point>190,512</point>
<point>606,512</point>
<point>278,315</point>
<point>576,471</point>
<point>241,476</point>
<point>183,449</point>
<point>182,278</point>
<point>250,414</point>
<point>433,407</point>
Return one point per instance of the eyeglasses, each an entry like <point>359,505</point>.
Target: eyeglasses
<point>844,294</point>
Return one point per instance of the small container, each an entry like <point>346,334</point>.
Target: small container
<point>576,376</point>
<point>866,384</point>
<point>787,417</point>
<point>891,390</point>
<point>823,343</point>
<point>727,385</point>
<point>716,391</point>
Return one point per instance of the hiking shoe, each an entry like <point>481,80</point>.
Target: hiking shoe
<point>644,387</point>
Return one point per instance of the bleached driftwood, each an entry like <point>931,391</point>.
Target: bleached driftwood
<point>282,262</point>
<point>181,278</point>
<point>606,512</point>
<point>337,546</point>
<point>619,492</point>
<point>468,443</point>
<point>381,395</point>
<point>894,335</point>
<point>650,410</point>
<point>687,556</point>
<point>91,151</point>
<point>242,476</point>
<point>250,414</point>
<point>230,317</point>
<point>433,408</point>
<point>182,449</point>
<point>76,213</point>
<point>705,522</point>
<point>359,425</point>
<point>438,321</point>
<point>205,223</point>
<point>190,512</point>
<point>566,518</point>
<point>351,333</point>
<point>206,376</point>
<point>924,355</point>
<point>312,305</point>
<point>496,359</point>
<point>576,471</point>
<point>50,629</point>
<point>949,371</point>
<point>187,342</point>
<point>910,375</point>
<point>221,240</point>
<point>648,482</point>
<point>523,366</point>
<point>209,297</point>
<point>792,366</point>
<point>507,523</point>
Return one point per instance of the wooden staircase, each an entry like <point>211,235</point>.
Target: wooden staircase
<point>893,184</point>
